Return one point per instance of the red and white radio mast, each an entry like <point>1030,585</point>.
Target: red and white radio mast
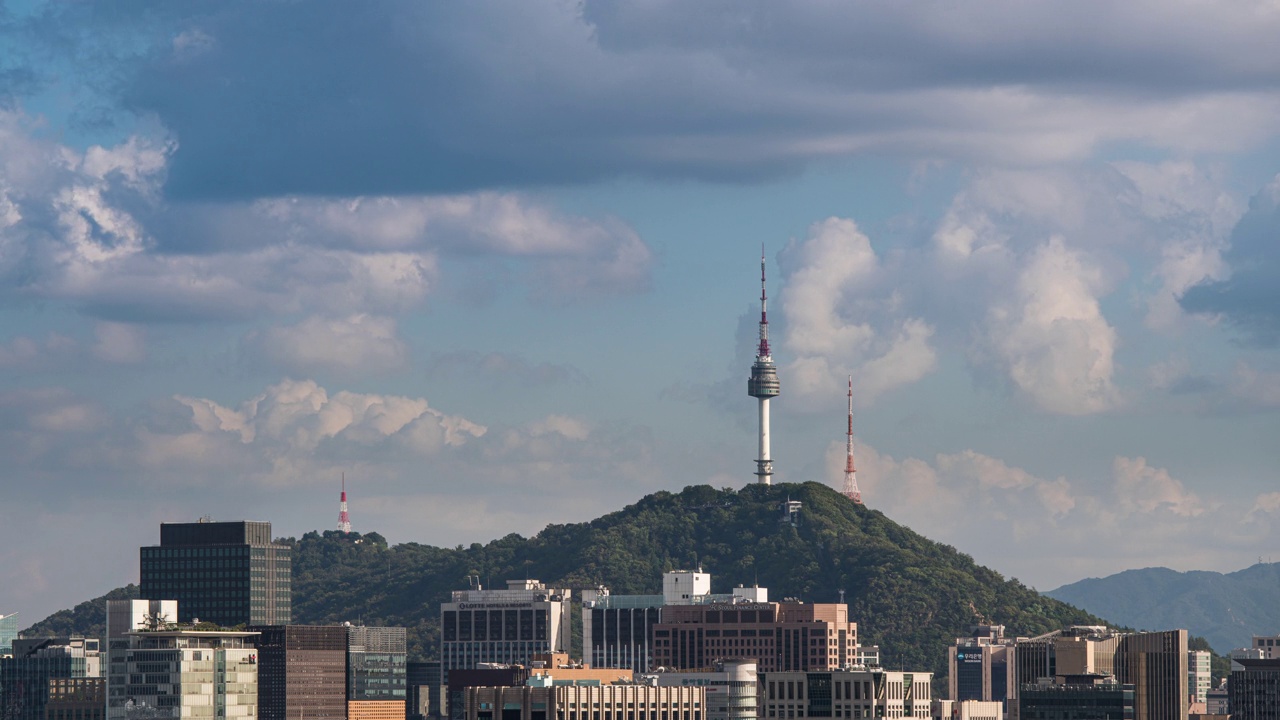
<point>344,520</point>
<point>850,475</point>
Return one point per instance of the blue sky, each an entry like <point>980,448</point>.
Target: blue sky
<point>496,261</point>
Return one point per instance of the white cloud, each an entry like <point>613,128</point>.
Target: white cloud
<point>32,353</point>
<point>361,343</point>
<point>1052,337</point>
<point>839,322</point>
<point>1141,488</point>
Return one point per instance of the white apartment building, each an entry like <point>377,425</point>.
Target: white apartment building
<point>1198,675</point>
<point>166,673</point>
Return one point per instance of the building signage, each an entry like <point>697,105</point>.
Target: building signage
<point>494,606</point>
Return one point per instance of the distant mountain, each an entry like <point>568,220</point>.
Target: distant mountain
<point>1225,609</point>
<point>910,595</point>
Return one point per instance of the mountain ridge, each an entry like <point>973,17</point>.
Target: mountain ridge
<point>1227,609</point>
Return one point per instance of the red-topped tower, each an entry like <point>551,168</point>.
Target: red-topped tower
<point>850,475</point>
<point>764,385</point>
<point>344,520</point>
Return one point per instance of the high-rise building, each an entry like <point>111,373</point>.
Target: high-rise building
<point>172,673</point>
<point>125,617</point>
<point>777,636</point>
<point>1080,650</point>
<point>978,666</point>
<point>503,626</point>
<point>376,672</point>
<point>8,632</point>
<point>32,678</point>
<point>228,573</point>
<point>868,693</point>
<point>731,688</point>
<point>302,672</point>
<point>1155,663</point>
<point>1199,675</point>
<point>1254,690</point>
<point>424,690</point>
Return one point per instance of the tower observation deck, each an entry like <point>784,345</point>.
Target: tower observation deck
<point>764,385</point>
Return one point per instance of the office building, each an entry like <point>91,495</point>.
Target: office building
<point>777,636</point>
<point>1080,650</point>
<point>731,688</point>
<point>617,630</point>
<point>542,700</point>
<point>978,666</point>
<point>227,573</point>
<point>31,678</point>
<point>424,690</point>
<point>966,710</point>
<point>460,680</point>
<point>1199,675</point>
<point>867,693</point>
<point>1155,663</point>
<point>1218,701</point>
<point>1268,646</point>
<point>1076,698</point>
<point>8,632</point>
<point>503,626</point>
<point>1254,690</point>
<point>174,673</point>
<point>302,672</point>
<point>376,672</point>
<point>77,699</point>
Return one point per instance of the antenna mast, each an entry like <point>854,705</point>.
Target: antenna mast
<point>344,520</point>
<point>850,475</point>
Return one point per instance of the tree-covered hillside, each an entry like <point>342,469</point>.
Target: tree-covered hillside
<point>908,594</point>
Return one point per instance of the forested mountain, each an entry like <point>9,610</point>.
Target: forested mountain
<point>1226,609</point>
<point>910,595</point>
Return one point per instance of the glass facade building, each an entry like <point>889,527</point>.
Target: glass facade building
<point>1076,702</point>
<point>36,666</point>
<point>229,573</point>
<point>8,632</point>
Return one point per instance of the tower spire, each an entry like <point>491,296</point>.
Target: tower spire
<point>850,475</point>
<point>344,520</point>
<point>763,384</point>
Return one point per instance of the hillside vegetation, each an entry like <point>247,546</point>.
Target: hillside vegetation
<point>910,595</point>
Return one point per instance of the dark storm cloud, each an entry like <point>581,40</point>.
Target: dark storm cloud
<point>394,96</point>
<point>1250,298</point>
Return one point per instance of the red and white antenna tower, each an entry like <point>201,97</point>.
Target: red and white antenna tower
<point>850,475</point>
<point>344,520</point>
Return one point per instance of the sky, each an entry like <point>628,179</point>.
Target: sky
<point>497,262</point>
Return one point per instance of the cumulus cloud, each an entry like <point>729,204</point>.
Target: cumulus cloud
<point>1056,344</point>
<point>356,344</point>
<point>90,229</point>
<point>839,321</point>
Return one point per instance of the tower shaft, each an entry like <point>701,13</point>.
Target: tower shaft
<point>344,519</point>
<point>763,384</point>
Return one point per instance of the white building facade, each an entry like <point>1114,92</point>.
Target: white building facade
<point>184,674</point>
<point>870,693</point>
<point>503,626</point>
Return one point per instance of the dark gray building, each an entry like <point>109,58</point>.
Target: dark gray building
<point>424,690</point>
<point>229,573</point>
<point>1254,690</point>
<point>1076,699</point>
<point>302,672</point>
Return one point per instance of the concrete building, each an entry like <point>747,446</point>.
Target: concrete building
<point>1217,702</point>
<point>1155,663</point>
<point>167,673</point>
<point>871,693</point>
<point>979,667</point>
<point>503,626</point>
<point>77,699</point>
<point>8,632</point>
<point>459,681</point>
<point>376,672</point>
<point>44,672</point>
<point>1254,690</point>
<point>1268,646</point>
<point>541,700</point>
<point>777,636</point>
<point>1199,675</point>
<point>1076,698</point>
<point>617,630</point>
<point>302,672</point>
<point>228,573</point>
<point>731,688</point>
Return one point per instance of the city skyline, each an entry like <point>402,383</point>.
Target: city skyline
<point>497,264</point>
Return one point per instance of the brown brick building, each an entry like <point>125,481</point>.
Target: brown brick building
<point>302,672</point>
<point>786,636</point>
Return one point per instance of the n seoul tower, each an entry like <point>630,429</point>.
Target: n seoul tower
<point>764,385</point>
